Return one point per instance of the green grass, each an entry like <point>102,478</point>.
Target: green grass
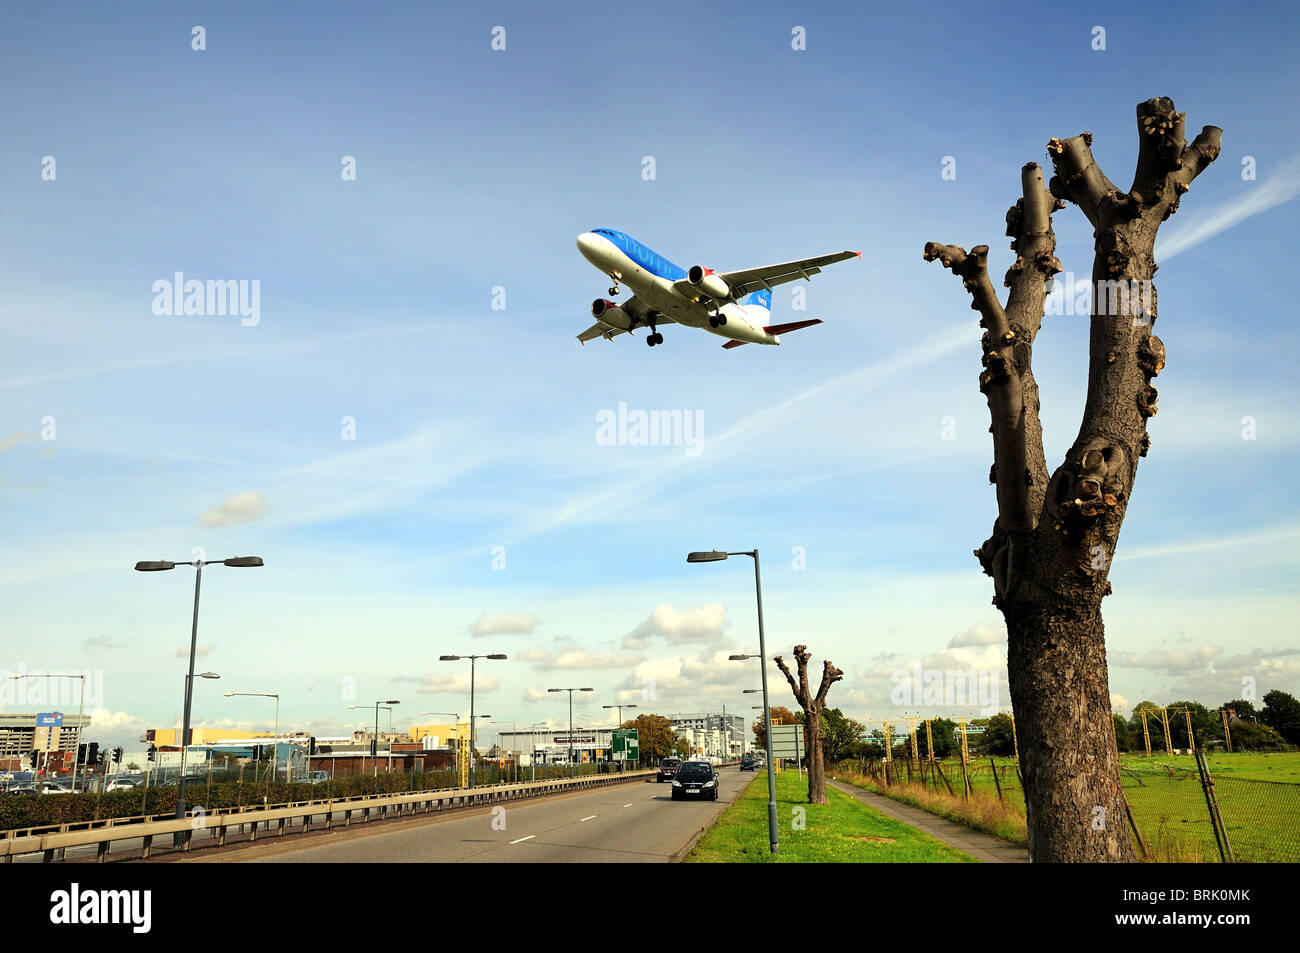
<point>844,831</point>
<point>1164,792</point>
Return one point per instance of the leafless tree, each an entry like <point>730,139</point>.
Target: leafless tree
<point>813,706</point>
<point>1054,536</point>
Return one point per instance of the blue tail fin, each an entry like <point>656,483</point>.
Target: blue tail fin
<point>761,298</point>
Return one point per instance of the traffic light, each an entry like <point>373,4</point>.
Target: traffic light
<point>99,757</point>
<point>92,753</point>
<point>81,753</point>
<point>117,755</point>
<point>311,746</point>
<point>34,756</point>
<point>151,753</point>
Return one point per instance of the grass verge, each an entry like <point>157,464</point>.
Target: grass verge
<point>844,831</point>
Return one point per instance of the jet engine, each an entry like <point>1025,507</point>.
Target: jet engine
<point>610,314</point>
<point>709,283</point>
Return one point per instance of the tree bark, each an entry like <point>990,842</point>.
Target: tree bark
<point>813,706</point>
<point>1054,537</point>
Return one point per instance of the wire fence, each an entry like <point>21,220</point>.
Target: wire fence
<point>1182,812</point>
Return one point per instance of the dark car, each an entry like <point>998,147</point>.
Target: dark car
<point>695,780</point>
<point>668,769</point>
<point>748,764</point>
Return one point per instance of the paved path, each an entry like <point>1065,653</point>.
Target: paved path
<point>623,823</point>
<point>983,847</point>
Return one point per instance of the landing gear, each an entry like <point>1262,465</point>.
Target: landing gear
<point>717,320</point>
<point>655,338</point>
<point>613,290</point>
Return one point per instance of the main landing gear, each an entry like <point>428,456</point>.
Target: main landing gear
<point>654,338</point>
<point>717,320</point>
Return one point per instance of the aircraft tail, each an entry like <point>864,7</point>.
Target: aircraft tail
<point>761,298</point>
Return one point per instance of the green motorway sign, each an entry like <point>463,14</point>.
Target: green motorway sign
<point>625,744</point>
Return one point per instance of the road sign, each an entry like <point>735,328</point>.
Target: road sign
<point>625,744</point>
<point>49,719</point>
<point>787,741</point>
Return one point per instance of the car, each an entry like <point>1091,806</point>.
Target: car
<point>316,777</point>
<point>695,780</point>
<point>748,764</point>
<point>122,784</point>
<point>668,769</point>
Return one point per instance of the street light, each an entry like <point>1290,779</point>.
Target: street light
<point>620,708</point>
<point>162,565</point>
<point>571,691</point>
<point>374,743</point>
<point>81,706</point>
<point>275,737</point>
<point>715,556</point>
<point>472,659</point>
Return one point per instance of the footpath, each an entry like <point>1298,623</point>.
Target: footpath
<point>983,847</point>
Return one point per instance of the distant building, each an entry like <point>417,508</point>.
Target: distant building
<point>20,736</point>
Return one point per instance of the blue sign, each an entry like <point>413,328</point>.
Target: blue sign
<point>49,719</point>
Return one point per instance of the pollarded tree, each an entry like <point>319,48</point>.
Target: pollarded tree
<point>813,706</point>
<point>1054,536</point>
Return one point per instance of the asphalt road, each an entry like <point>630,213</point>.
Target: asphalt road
<point>626,823</point>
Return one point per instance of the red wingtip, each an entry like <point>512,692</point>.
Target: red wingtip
<point>859,254</point>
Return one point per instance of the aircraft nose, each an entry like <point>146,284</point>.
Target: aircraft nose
<point>589,245</point>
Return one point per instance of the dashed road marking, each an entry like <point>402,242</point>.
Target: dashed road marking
<point>522,839</point>
<point>587,818</point>
<point>627,805</point>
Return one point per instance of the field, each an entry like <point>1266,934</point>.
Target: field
<point>1258,795</point>
<point>845,831</point>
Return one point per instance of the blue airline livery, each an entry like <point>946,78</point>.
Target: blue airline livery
<point>732,304</point>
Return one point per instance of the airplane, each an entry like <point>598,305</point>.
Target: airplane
<point>730,304</point>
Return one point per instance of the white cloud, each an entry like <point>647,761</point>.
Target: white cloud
<point>570,656</point>
<point>519,624</point>
<point>183,651</point>
<point>701,624</point>
<point>102,642</point>
<point>447,684</point>
<point>240,508</point>
<point>978,634</point>
<point>1170,663</point>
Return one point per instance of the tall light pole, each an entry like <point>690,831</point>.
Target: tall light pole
<point>162,565</point>
<point>571,691</point>
<point>715,556</point>
<point>472,659</point>
<point>620,708</point>
<point>81,731</point>
<point>374,743</point>
<point>275,735</point>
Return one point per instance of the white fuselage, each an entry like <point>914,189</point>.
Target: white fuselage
<point>745,322</point>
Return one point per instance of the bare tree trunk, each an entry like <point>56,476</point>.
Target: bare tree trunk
<point>813,706</point>
<point>1054,537</point>
<point>816,760</point>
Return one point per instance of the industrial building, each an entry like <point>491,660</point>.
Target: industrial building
<point>20,736</point>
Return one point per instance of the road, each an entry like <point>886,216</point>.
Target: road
<point>625,823</point>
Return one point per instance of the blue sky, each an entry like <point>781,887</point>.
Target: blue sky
<point>476,428</point>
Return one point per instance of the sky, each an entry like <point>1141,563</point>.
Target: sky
<point>406,429</point>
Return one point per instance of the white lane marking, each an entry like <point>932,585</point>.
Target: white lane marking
<point>627,805</point>
<point>522,839</point>
<point>587,818</point>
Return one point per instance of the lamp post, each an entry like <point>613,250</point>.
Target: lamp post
<point>571,691</point>
<point>275,736</point>
<point>472,659</point>
<point>374,743</point>
<point>715,556</point>
<point>620,725</point>
<point>81,731</point>
<point>162,565</point>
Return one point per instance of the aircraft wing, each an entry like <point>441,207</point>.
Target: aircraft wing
<point>632,306</point>
<point>756,279</point>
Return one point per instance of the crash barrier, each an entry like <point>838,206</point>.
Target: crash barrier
<point>217,823</point>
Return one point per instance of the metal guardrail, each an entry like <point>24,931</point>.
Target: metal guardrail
<point>103,833</point>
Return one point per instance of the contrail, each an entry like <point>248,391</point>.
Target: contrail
<point>1279,189</point>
